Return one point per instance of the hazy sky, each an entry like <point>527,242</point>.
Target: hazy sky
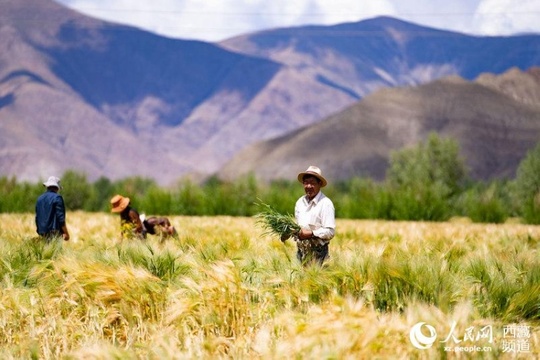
<point>214,20</point>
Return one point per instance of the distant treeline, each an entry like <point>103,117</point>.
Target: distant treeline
<point>426,182</point>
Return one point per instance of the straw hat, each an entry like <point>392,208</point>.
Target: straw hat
<point>119,203</point>
<point>52,181</point>
<point>315,171</point>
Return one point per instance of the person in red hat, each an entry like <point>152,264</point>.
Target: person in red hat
<point>136,225</point>
<point>130,222</point>
<point>315,214</point>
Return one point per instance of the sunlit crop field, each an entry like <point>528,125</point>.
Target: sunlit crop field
<point>223,289</point>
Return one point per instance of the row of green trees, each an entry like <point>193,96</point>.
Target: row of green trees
<point>426,182</point>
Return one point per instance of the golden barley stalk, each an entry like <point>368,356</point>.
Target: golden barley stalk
<point>283,225</point>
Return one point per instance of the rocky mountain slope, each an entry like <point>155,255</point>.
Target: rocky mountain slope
<point>494,119</point>
<point>115,101</point>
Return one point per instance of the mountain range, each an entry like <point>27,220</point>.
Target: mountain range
<point>494,119</point>
<point>116,101</point>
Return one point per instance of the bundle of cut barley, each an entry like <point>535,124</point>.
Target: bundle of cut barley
<point>283,225</point>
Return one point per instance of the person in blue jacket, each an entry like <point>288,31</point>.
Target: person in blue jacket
<point>51,212</point>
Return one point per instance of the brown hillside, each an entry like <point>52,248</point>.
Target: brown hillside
<point>495,120</point>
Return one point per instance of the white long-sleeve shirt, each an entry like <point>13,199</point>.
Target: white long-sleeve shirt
<point>318,215</point>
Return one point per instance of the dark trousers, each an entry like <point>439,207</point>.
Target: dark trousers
<point>312,253</point>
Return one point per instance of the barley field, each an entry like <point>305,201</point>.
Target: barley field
<point>225,289</point>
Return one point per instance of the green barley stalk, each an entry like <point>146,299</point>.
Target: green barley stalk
<point>275,223</point>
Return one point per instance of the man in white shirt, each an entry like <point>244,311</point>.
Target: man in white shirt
<point>315,214</point>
